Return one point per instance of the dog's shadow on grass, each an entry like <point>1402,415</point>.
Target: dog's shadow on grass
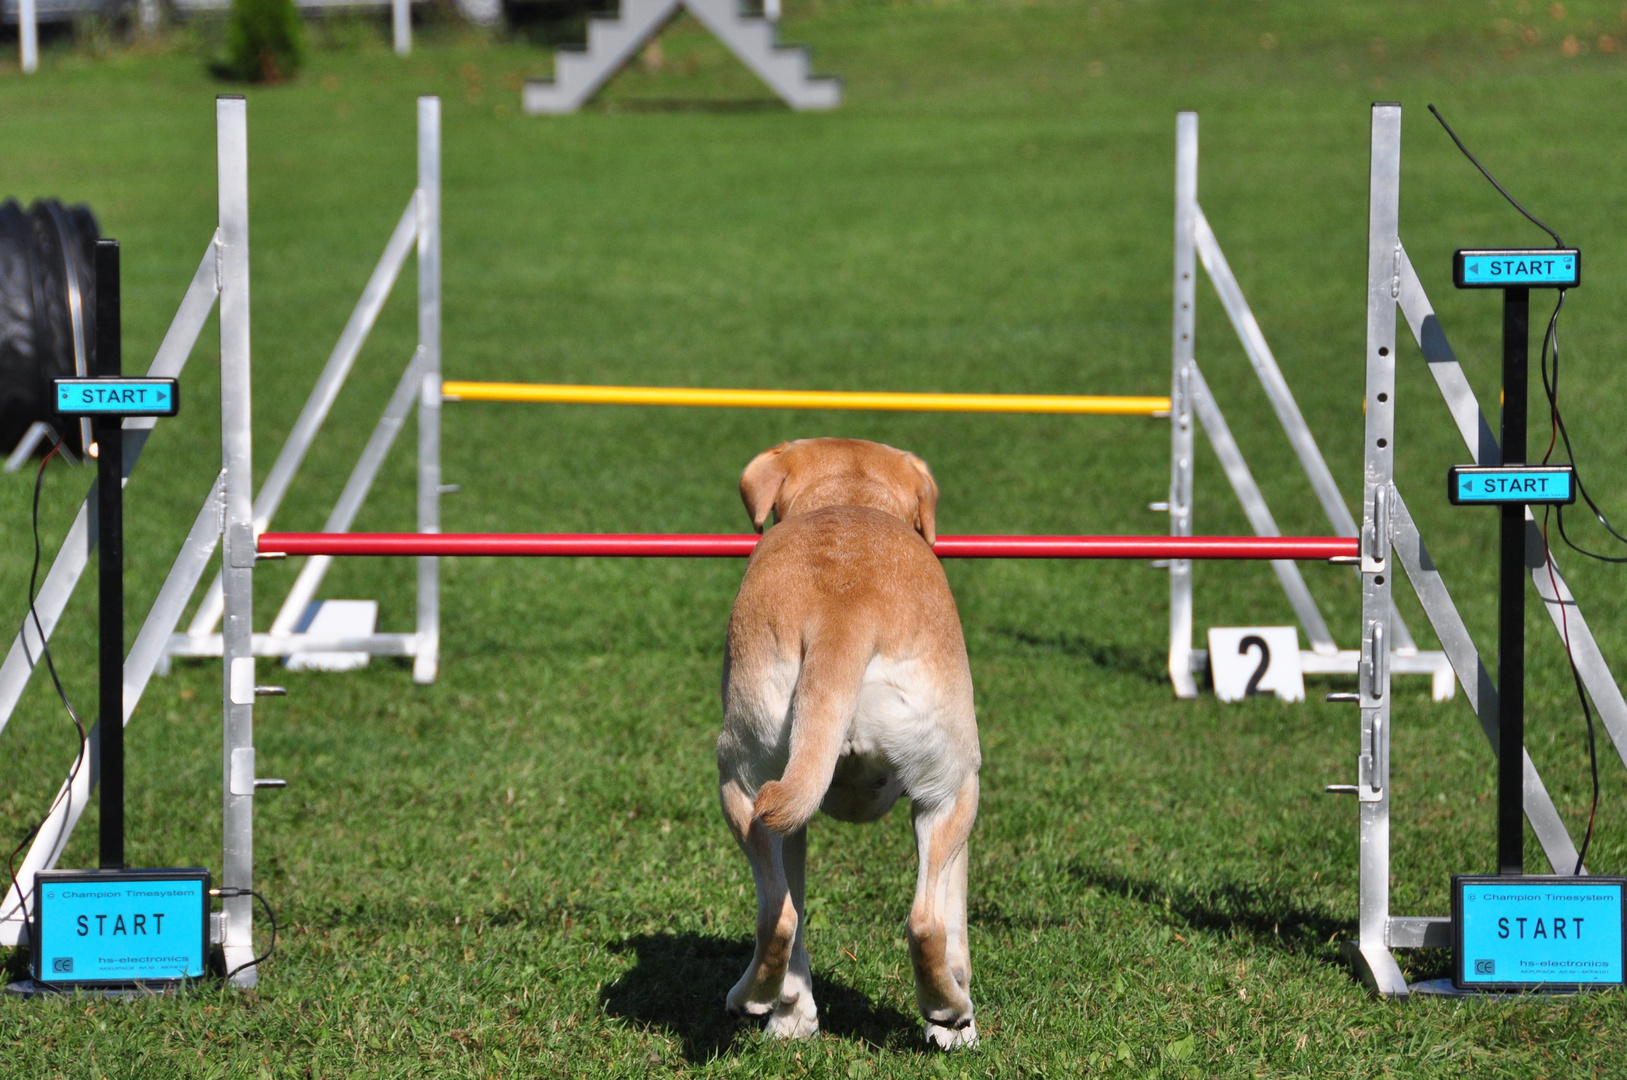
<point>679,982</point>
<point>1269,914</point>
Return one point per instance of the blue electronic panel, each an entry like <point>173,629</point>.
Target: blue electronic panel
<point>1488,485</point>
<point>1514,932</point>
<point>116,397</point>
<point>1517,268</point>
<point>120,927</point>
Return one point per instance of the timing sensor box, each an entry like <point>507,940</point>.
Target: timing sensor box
<point>1530,932</point>
<point>1517,268</point>
<point>119,928</point>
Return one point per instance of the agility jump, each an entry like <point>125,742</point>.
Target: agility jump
<point>1189,405</point>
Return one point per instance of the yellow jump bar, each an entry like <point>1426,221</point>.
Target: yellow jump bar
<point>804,399</point>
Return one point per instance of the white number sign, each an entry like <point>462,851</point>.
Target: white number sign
<point>1248,661</point>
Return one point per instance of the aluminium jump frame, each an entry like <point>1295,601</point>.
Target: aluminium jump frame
<point>222,274</point>
<point>1389,535</point>
<point>1191,399</point>
<point>419,230</point>
<point>421,385</point>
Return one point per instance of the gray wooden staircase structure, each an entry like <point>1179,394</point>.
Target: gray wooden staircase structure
<point>614,41</point>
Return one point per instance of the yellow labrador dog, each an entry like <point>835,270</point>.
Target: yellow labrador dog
<point>845,685</point>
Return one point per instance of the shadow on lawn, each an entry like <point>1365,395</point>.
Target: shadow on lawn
<point>1145,664</point>
<point>680,980</point>
<point>1269,914</point>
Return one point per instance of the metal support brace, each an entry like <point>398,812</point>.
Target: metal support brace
<point>323,394</point>
<point>1180,419</point>
<point>1288,414</point>
<point>351,498</point>
<point>1409,550</point>
<point>1572,628</point>
<point>237,570</point>
<point>1259,515</point>
<point>426,662</point>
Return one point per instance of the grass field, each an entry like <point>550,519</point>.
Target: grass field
<point>521,870</point>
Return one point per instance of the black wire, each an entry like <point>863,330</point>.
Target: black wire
<point>271,916</point>
<point>1512,200</point>
<point>1550,386</point>
<point>50,665</point>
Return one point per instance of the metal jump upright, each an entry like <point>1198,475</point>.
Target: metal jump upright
<point>418,231</point>
<point>1195,405</point>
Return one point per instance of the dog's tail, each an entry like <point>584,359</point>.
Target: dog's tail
<point>821,710</point>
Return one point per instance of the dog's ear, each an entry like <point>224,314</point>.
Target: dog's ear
<point>760,484</point>
<point>926,506</point>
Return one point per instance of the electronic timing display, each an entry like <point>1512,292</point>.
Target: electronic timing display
<point>120,927</point>
<point>1525,932</point>
<point>1501,485</point>
<point>1517,268</point>
<point>116,397</point>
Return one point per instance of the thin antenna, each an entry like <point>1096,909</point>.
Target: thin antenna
<point>1512,200</point>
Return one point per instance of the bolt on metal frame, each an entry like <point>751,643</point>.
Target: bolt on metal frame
<point>1195,242</point>
<point>1390,536</point>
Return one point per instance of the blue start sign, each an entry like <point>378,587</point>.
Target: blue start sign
<point>116,397</point>
<point>120,927</point>
<point>1514,932</point>
<point>1517,268</point>
<point>1498,485</point>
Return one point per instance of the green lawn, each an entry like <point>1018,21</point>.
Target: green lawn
<point>522,871</point>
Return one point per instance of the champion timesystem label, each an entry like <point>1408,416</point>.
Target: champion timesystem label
<point>1517,268</point>
<point>116,397</point>
<point>1513,932</point>
<point>1496,485</point>
<point>120,927</point>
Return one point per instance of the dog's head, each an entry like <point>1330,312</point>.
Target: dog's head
<point>810,474</point>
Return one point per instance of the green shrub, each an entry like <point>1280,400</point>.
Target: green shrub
<point>265,40</point>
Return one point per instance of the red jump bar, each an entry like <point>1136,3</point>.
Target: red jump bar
<point>646,545</point>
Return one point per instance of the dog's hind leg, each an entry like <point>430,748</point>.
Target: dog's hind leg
<point>796,1016</point>
<point>777,983</point>
<point>937,923</point>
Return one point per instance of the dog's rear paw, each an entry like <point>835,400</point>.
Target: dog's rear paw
<point>754,995</point>
<point>796,1020</point>
<point>942,1037</point>
<point>754,1010</point>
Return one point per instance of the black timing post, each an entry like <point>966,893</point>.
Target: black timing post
<point>1512,485</point>
<point>110,562</point>
<point>107,398</point>
<point>1511,607</point>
